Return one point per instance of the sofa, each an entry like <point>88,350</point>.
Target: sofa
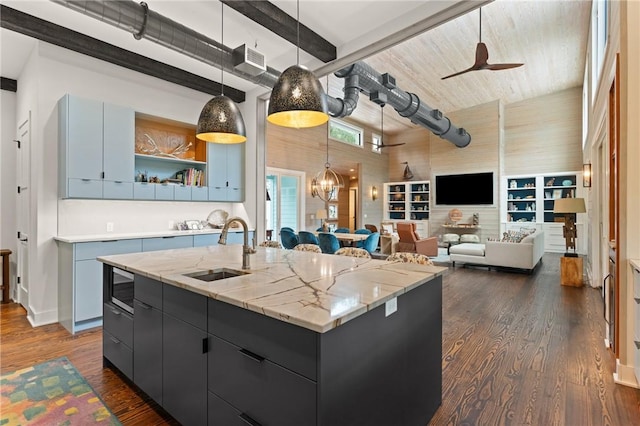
<point>521,255</point>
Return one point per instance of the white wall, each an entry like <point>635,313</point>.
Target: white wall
<point>51,73</point>
<point>8,155</point>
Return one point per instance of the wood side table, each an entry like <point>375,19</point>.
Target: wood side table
<point>5,275</point>
<point>571,271</point>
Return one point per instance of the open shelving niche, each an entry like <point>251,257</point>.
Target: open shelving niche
<point>410,202</point>
<point>155,140</point>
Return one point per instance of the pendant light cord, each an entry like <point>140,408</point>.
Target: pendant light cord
<point>480,15</point>
<point>222,49</point>
<point>298,32</point>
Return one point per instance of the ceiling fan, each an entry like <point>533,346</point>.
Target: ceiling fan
<point>382,144</point>
<point>482,56</point>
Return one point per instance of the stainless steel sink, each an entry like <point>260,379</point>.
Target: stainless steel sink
<point>216,274</point>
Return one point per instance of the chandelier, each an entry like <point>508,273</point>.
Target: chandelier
<point>326,183</point>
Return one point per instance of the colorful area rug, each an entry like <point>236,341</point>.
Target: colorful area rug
<point>51,393</point>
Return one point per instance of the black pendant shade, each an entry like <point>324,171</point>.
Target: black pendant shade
<point>221,122</point>
<point>297,100</point>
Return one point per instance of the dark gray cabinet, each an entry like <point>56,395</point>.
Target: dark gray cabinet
<point>147,356</point>
<point>117,338</point>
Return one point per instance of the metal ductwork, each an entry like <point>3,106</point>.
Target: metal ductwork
<point>142,22</point>
<point>381,88</point>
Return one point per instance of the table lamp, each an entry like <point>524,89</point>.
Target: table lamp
<point>569,207</point>
<point>322,215</point>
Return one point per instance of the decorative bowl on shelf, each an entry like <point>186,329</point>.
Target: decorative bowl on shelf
<point>567,182</point>
<point>217,218</point>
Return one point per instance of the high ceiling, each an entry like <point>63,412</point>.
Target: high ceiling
<point>550,37</point>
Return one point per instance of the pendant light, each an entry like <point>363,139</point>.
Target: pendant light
<point>297,99</point>
<point>221,120</point>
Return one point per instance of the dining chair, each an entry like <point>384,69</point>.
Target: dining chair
<point>371,243</point>
<point>328,242</point>
<point>342,230</point>
<point>289,239</point>
<point>409,258</point>
<point>308,247</point>
<point>360,244</point>
<point>353,252</point>
<point>287,229</point>
<point>306,237</point>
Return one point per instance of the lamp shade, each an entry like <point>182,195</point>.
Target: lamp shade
<point>321,214</point>
<point>569,205</point>
<point>297,100</point>
<point>221,122</point>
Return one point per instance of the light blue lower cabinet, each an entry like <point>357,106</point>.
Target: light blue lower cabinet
<point>165,192</point>
<point>199,193</point>
<point>183,193</point>
<point>116,190</point>
<point>166,243</point>
<point>206,240</point>
<point>144,191</point>
<point>85,188</point>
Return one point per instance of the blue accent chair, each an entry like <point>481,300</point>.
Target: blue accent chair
<point>306,237</point>
<point>289,239</point>
<point>343,230</point>
<point>286,228</point>
<point>360,244</point>
<point>371,243</point>
<point>328,242</point>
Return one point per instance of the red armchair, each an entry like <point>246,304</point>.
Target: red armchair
<point>410,242</point>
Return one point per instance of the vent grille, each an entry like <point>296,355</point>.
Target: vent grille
<point>248,60</point>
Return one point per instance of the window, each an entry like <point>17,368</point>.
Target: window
<point>343,132</point>
<point>376,142</point>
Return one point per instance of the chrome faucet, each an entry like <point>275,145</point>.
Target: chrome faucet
<point>246,250</point>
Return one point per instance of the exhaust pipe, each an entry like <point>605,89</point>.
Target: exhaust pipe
<point>142,22</point>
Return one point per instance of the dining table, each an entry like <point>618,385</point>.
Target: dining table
<point>348,239</point>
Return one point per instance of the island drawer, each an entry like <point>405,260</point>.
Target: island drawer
<point>118,323</point>
<point>288,345</point>
<point>187,306</point>
<point>118,353</point>
<point>221,412</point>
<point>255,385</point>
<point>148,291</point>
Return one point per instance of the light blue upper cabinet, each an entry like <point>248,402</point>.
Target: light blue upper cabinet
<point>96,142</point>
<point>226,172</point>
<point>118,151</point>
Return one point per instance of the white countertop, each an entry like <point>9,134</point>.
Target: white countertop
<point>635,263</point>
<point>315,291</point>
<point>131,235</point>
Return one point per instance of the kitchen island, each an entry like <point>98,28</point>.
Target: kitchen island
<point>302,338</point>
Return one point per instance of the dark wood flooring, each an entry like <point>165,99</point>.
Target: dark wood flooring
<point>517,350</point>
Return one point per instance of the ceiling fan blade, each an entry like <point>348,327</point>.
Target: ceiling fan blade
<point>473,68</point>
<point>482,54</point>
<point>392,144</point>
<point>497,67</point>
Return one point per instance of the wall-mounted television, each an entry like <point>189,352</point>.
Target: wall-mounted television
<point>464,189</point>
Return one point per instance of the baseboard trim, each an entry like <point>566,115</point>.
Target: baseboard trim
<point>625,375</point>
<point>37,319</point>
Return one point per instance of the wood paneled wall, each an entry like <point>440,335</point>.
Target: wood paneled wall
<point>305,150</point>
<point>544,134</point>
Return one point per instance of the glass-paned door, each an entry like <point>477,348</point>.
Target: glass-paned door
<point>284,202</point>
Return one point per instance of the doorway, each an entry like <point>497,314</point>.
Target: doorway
<point>23,212</point>
<point>284,201</point>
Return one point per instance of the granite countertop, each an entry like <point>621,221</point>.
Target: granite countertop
<point>131,235</point>
<point>311,290</point>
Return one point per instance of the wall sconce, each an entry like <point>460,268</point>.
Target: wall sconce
<point>374,193</point>
<point>586,175</point>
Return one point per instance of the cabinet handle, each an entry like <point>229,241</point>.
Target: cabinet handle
<point>205,345</point>
<point>115,312</point>
<point>169,237</point>
<point>144,305</point>
<point>248,420</point>
<point>251,355</point>
<point>86,180</point>
<point>117,181</point>
<point>114,340</point>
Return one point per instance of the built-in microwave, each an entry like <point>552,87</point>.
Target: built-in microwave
<point>119,288</point>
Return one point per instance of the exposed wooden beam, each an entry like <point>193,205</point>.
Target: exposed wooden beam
<point>8,84</point>
<point>49,32</point>
<point>277,21</point>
